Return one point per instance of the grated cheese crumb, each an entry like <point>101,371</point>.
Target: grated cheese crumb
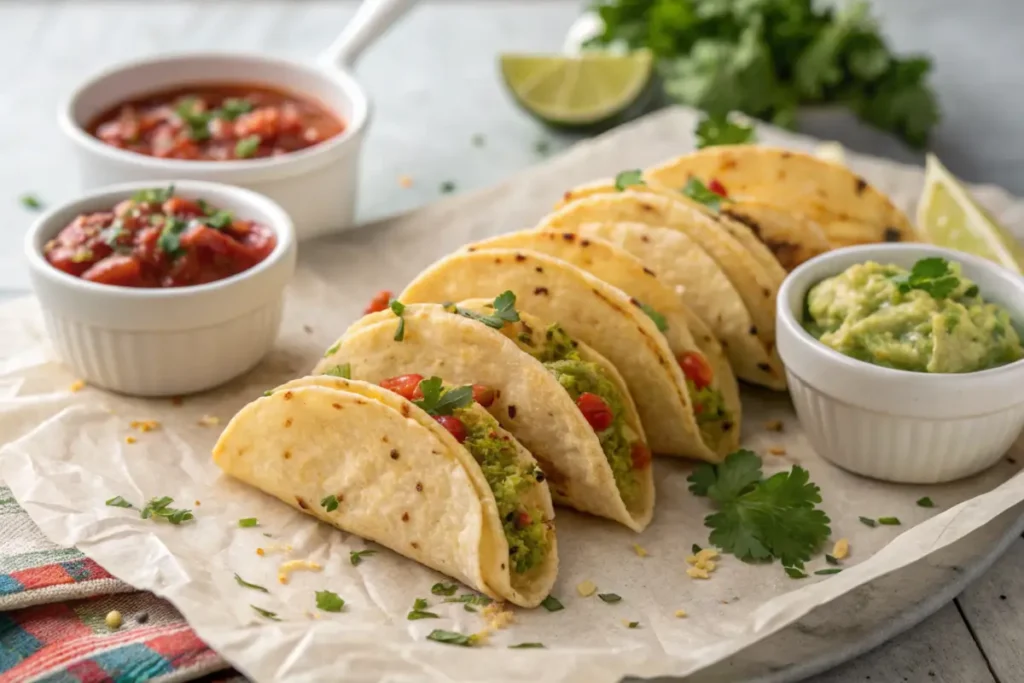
<point>697,573</point>
<point>261,552</point>
<point>145,425</point>
<point>692,559</point>
<point>198,503</point>
<point>709,565</point>
<point>680,614</point>
<point>405,181</point>
<point>773,425</point>
<point>286,568</point>
<point>77,386</point>
<point>586,589</point>
<point>707,554</point>
<point>777,450</point>
<point>129,439</point>
<point>841,550</point>
<point>209,420</point>
<point>497,616</point>
<point>639,550</point>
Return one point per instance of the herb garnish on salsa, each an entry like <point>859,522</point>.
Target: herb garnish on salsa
<point>217,123</point>
<point>158,239</point>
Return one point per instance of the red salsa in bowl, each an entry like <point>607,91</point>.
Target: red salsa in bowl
<point>217,123</point>
<point>158,239</point>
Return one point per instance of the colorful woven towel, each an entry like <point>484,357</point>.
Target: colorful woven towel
<point>54,603</point>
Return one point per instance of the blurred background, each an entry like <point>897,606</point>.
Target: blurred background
<point>444,120</point>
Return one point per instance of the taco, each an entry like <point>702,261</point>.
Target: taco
<point>685,267</point>
<point>558,397</point>
<point>379,466</point>
<point>711,383</point>
<point>848,209</point>
<point>591,311</point>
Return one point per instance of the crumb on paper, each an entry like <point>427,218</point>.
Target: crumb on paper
<point>773,425</point>
<point>261,552</point>
<point>77,386</point>
<point>680,614</point>
<point>697,573</point>
<point>498,616</point>
<point>777,450</point>
<point>307,329</point>
<point>209,420</point>
<point>586,588</point>
<point>276,548</point>
<point>145,425</point>
<point>198,503</point>
<point>286,568</point>
<point>130,439</point>
<point>639,550</point>
<point>405,181</point>
<point>841,550</point>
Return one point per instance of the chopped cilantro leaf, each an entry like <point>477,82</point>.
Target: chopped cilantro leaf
<point>795,573</point>
<point>344,371</point>
<point>721,130</point>
<point>119,502</point>
<point>438,402</point>
<point>699,192</point>
<point>447,187</point>
<point>761,519</point>
<point>552,604</point>
<point>329,503</point>
<point>542,147</point>
<point>197,122</point>
<point>329,601</point>
<point>247,146</point>
<point>658,318</point>
<point>524,646</point>
<point>169,241</point>
<point>830,559</point>
<point>265,613</point>
<point>248,522</point>
<point>444,589</point>
<point>333,350</point>
<point>925,502</point>
<point>233,107</point>
<point>153,195</point>
<point>450,637</point>
<point>245,584</point>
<point>421,614</point>
<point>889,521</point>
<point>695,548</point>
<point>867,521</point>
<point>419,603</point>
<point>30,201</point>
<point>398,308</point>
<point>634,624</point>
<point>471,599</point>
<point>504,311</point>
<point>826,572</point>
<point>356,556</point>
<point>468,608</point>
<point>931,275</point>
<point>158,508</point>
<point>609,597</point>
<point>219,220</point>
<point>629,178</point>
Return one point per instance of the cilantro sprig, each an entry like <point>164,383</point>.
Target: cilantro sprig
<point>629,178</point>
<point>761,519</point>
<point>700,193</point>
<point>722,130</point>
<point>438,402</point>
<point>504,311</point>
<point>398,308</point>
<point>156,508</point>
<point>931,275</point>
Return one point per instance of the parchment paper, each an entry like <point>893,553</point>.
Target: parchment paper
<point>66,453</point>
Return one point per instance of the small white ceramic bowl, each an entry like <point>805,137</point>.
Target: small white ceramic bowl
<point>164,342</point>
<point>895,425</point>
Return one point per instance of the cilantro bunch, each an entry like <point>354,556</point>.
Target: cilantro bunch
<point>761,519</point>
<point>766,58</point>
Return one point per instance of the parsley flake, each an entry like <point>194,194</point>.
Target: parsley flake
<point>634,624</point>
<point>450,637</point>
<point>695,548</point>
<point>761,519</point>
<point>118,502</point>
<point>925,502</point>
<point>867,521</point>
<point>398,308</point>
<point>831,560</point>
<point>447,187</point>
<point>552,604</point>
<point>889,521</point>
<point>826,572</point>
<point>344,371</point>
<point>265,613</point>
<point>159,508</point>
<point>356,556</point>
<point>931,275</point>
<point>421,614</point>
<point>329,503</point>
<point>629,178</point>
<point>721,130</point>
<point>699,192</point>
<point>471,599</point>
<point>795,573</point>
<point>247,146</point>
<point>525,646</point>
<point>30,201</point>
<point>248,522</point>
<point>153,195</point>
<point>233,107</point>
<point>444,589</point>
<point>329,601</point>
<point>438,402</point>
<point>169,241</point>
<point>245,584</point>
<point>504,311</point>
<point>419,603</point>
<point>610,598</point>
<point>658,318</point>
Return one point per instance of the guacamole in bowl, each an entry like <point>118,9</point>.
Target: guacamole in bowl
<point>930,318</point>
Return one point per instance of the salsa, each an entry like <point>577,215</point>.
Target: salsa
<point>158,239</point>
<point>217,123</point>
<point>928,319</point>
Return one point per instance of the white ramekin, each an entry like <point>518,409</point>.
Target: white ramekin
<point>895,425</point>
<point>316,186</point>
<point>164,342</point>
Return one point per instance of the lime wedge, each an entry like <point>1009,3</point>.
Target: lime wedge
<point>948,216</point>
<point>577,90</point>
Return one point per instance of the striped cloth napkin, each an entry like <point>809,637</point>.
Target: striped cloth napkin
<point>53,607</point>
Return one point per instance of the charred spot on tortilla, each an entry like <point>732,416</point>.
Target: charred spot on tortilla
<point>786,155</point>
<point>415,545</point>
<point>287,395</point>
<point>584,243</point>
<point>520,258</point>
<point>728,163</point>
<point>646,207</point>
<point>892,235</point>
<point>753,330</point>
<point>470,249</point>
<point>780,175</point>
<point>726,426</point>
<point>539,269</point>
<point>526,327</point>
<point>497,259</point>
<point>384,439</point>
<point>394,454</point>
<point>540,291</point>
<point>859,185</point>
<point>405,516</point>
<point>336,406</point>
<point>419,486</point>
<point>405,410</point>
<point>746,220</point>
<point>511,412</point>
<point>302,503</point>
<point>567,196</point>
<point>288,422</point>
<point>764,367</point>
<point>568,236</point>
<point>645,238</point>
<point>767,293</point>
<point>650,272</point>
<point>287,455</point>
<point>540,475</point>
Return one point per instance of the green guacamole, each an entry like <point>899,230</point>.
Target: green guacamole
<point>560,357</point>
<point>929,319</point>
<point>528,542</point>
<point>713,419</point>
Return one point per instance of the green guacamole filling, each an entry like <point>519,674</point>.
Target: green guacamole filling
<point>930,319</point>
<point>713,419</point>
<point>559,355</point>
<point>525,529</point>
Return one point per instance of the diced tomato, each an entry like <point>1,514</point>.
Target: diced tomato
<point>378,303</point>
<point>523,519</point>
<point>406,386</point>
<point>453,425</point>
<point>179,206</point>
<point>717,187</point>
<point>696,369</point>
<point>121,270</point>
<point>265,122</point>
<point>641,455</point>
<point>216,241</point>
<point>483,395</point>
<point>595,411</point>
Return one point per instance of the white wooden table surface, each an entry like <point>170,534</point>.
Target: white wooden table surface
<point>434,83</point>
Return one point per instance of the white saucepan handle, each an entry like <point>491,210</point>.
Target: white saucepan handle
<point>371,20</point>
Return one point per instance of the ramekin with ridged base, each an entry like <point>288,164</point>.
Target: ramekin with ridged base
<point>894,425</point>
<point>164,342</point>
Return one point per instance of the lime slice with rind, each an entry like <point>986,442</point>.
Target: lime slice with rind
<point>577,90</point>
<point>948,216</point>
